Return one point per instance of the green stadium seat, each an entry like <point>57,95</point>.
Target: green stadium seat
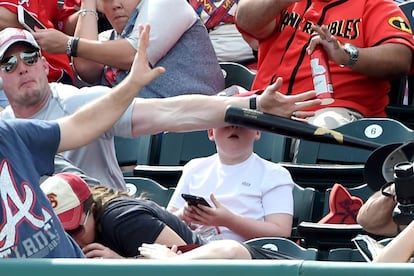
<point>149,188</point>
<point>237,74</point>
<point>285,246</point>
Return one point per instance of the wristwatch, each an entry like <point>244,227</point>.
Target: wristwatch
<point>353,53</point>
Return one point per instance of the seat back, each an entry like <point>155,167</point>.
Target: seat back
<point>237,74</point>
<point>285,246</point>
<point>378,130</point>
<point>272,147</point>
<point>179,148</point>
<point>149,188</point>
<point>132,151</point>
<point>304,201</point>
<point>323,176</point>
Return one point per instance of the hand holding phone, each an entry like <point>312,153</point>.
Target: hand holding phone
<point>194,200</point>
<point>27,20</point>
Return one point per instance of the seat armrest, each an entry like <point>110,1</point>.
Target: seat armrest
<point>328,236</point>
<point>322,176</point>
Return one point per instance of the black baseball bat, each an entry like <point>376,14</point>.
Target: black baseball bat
<point>293,128</point>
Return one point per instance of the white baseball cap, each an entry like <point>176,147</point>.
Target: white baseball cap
<point>10,36</point>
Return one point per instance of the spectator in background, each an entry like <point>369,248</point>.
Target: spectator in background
<point>179,42</point>
<point>51,16</point>
<point>228,43</point>
<point>362,59</point>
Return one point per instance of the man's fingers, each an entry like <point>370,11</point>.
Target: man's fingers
<point>276,85</point>
<point>304,96</point>
<point>143,41</point>
<point>141,65</point>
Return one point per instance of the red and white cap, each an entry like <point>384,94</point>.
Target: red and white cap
<point>67,192</point>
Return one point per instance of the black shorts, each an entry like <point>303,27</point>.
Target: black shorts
<point>257,252</point>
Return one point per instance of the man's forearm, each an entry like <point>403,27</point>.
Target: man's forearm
<point>181,113</point>
<point>196,112</point>
<point>375,216</point>
<point>384,61</point>
<point>8,19</point>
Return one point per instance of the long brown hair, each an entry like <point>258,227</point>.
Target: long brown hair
<point>101,195</point>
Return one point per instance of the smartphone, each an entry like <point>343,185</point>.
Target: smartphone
<point>194,200</point>
<point>27,20</point>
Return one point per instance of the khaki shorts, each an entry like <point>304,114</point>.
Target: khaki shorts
<point>333,117</point>
<point>330,117</point>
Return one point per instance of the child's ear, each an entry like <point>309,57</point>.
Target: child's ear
<point>210,134</point>
<point>258,135</point>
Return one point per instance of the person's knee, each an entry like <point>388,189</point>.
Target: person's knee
<point>231,249</point>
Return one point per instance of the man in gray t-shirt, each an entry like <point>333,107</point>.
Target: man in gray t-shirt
<point>98,158</point>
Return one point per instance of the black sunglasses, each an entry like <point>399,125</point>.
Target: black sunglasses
<point>9,64</point>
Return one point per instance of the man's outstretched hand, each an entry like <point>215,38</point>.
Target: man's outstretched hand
<point>141,72</point>
<point>273,102</point>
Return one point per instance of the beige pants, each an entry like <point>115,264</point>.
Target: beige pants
<point>333,117</point>
<point>330,117</point>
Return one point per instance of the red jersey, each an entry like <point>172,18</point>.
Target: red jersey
<point>48,12</point>
<point>363,23</point>
<point>68,8</point>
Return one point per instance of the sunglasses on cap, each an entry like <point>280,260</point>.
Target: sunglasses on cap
<point>81,228</point>
<point>9,64</point>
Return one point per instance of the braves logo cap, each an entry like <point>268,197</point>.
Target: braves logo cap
<point>10,36</point>
<point>67,192</point>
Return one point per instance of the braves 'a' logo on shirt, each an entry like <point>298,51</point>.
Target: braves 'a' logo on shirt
<point>23,232</point>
